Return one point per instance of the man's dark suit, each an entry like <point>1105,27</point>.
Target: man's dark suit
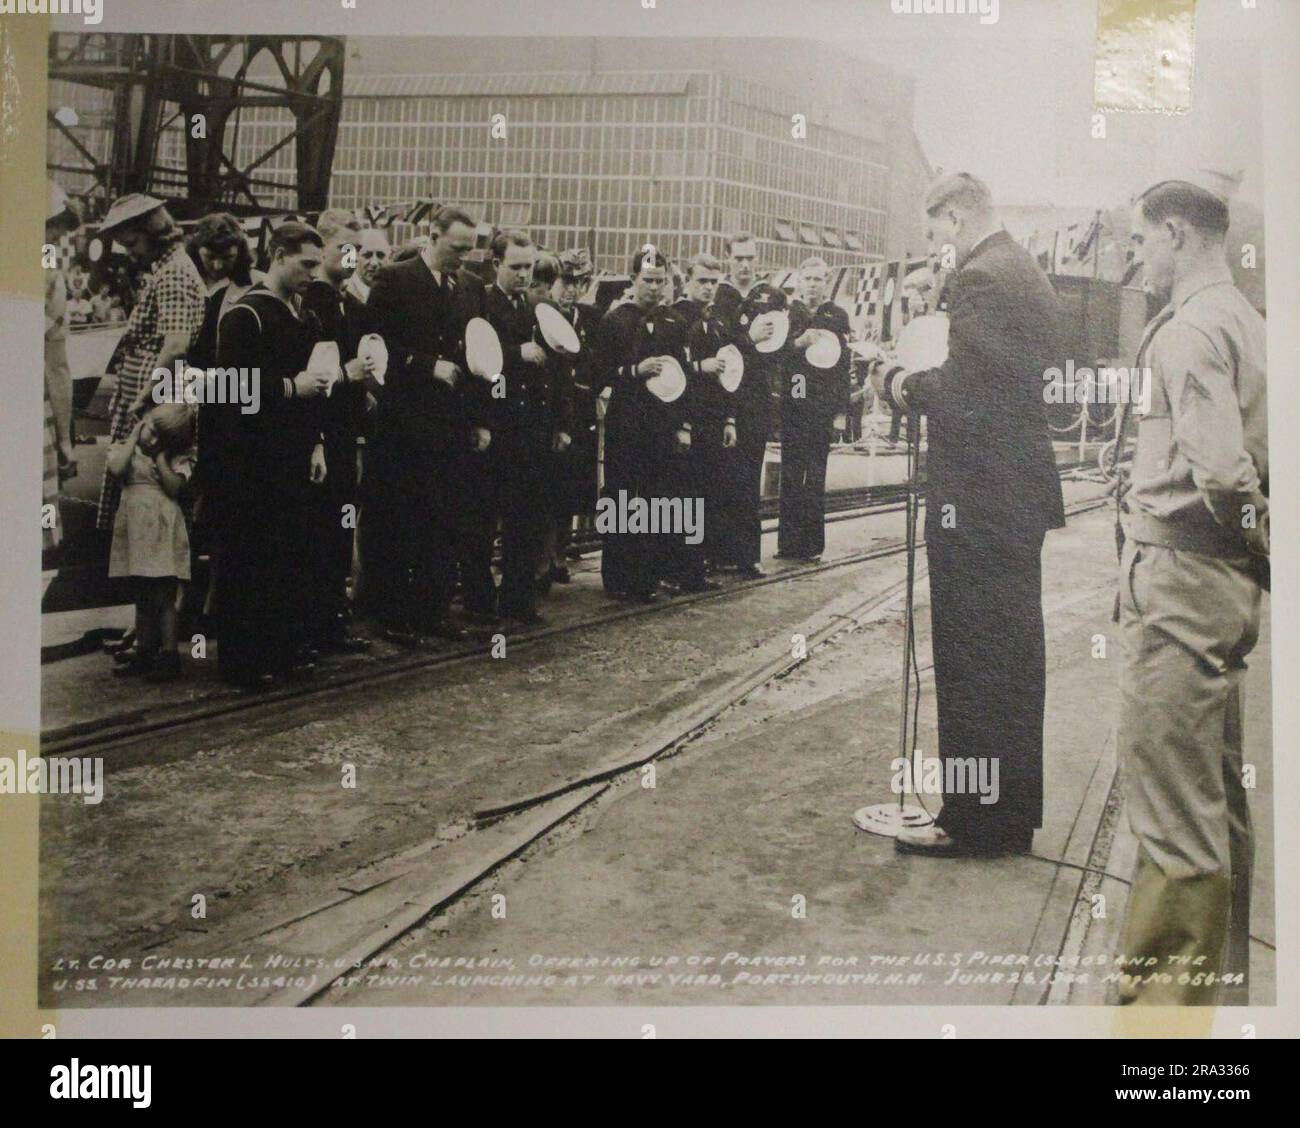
<point>421,459</point>
<point>992,491</point>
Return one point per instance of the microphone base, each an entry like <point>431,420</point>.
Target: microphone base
<point>887,819</point>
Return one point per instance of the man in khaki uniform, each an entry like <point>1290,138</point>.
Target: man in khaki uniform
<point>1195,550</point>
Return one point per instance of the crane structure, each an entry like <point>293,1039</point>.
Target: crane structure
<point>166,111</point>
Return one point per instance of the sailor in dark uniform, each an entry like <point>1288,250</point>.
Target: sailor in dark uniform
<point>713,435</point>
<point>741,299</point>
<point>344,414</point>
<point>372,254</point>
<point>532,416</point>
<point>644,436</point>
<point>576,492</point>
<point>273,465</point>
<point>814,402</point>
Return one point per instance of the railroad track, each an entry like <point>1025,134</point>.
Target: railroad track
<point>363,914</point>
<point>105,735</point>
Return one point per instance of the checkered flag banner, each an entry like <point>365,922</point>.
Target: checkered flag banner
<point>67,250</point>
<point>868,295</point>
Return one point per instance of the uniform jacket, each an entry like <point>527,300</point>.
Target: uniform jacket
<point>711,404</point>
<point>756,398</point>
<point>538,398</point>
<point>990,453</point>
<point>344,410</point>
<point>627,336</point>
<point>825,390</point>
<point>1202,449</point>
<point>420,416</point>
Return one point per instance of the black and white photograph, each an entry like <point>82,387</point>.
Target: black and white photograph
<point>657,513</point>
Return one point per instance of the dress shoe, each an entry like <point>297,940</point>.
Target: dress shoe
<point>932,840</point>
<point>696,586</point>
<point>345,644</point>
<point>751,572</point>
<point>249,681</point>
<point>447,631</point>
<point>938,843</point>
<point>136,665</point>
<point>166,668</point>
<point>123,645</point>
<point>400,636</point>
<point>529,616</point>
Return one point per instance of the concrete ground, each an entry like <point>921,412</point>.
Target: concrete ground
<point>251,813</point>
<point>218,808</point>
<point>743,865</point>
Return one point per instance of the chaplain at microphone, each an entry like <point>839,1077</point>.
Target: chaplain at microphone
<point>992,492</point>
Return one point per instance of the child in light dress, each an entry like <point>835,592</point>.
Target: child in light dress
<point>150,541</point>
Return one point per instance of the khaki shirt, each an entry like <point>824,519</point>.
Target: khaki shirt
<point>1201,466</point>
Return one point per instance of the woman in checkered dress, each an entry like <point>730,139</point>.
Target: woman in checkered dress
<point>163,325</point>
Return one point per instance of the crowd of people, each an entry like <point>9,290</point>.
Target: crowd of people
<point>379,476</point>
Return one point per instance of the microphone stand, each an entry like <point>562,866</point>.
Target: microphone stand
<point>887,819</point>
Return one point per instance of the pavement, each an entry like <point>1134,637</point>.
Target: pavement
<point>742,852</point>
<point>739,877</point>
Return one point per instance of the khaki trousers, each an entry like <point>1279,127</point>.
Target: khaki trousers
<point>1188,623</point>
